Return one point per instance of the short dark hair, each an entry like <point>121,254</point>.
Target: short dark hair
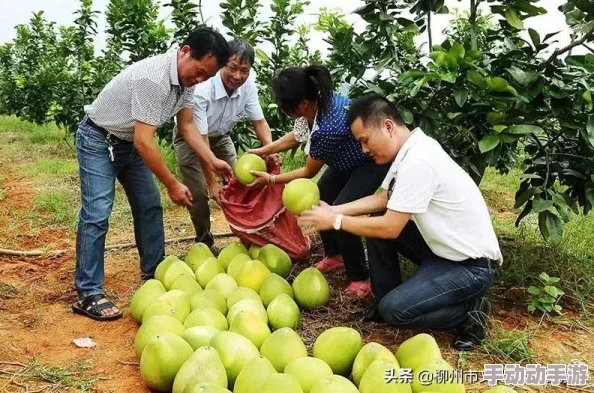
<point>373,109</point>
<point>208,41</point>
<point>243,50</point>
<point>295,84</point>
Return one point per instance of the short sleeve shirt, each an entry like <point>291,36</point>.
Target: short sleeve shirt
<point>330,139</point>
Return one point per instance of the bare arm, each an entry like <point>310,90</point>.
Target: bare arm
<point>371,204</point>
<point>287,142</point>
<point>263,132</point>
<point>149,152</point>
<point>311,168</point>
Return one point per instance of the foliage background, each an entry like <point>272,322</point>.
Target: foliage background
<point>492,97</point>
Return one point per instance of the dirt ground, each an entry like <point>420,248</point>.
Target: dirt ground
<point>36,320</point>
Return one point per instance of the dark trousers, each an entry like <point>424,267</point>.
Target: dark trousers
<point>438,296</point>
<point>338,187</point>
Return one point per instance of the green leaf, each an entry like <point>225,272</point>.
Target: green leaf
<point>531,308</point>
<point>499,128</point>
<point>507,138</point>
<point>496,118</point>
<point>524,197</point>
<point>533,290</point>
<point>453,115</point>
<point>554,227</point>
<point>534,36</point>
<point>522,77</point>
<point>497,84</point>
<point>590,129</point>
<point>476,79</point>
<point>412,74</point>
<point>407,115</point>
<point>458,51</point>
<point>551,290</point>
<point>558,308</point>
<point>262,56</point>
<point>449,77</point>
<point>473,54</point>
<point>376,89</point>
<point>513,19</point>
<point>460,96</point>
<point>488,143</point>
<point>554,280</point>
<point>540,205</point>
<point>587,96</point>
<point>523,129</point>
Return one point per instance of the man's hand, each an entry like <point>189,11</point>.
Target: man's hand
<point>180,194</point>
<point>261,151</point>
<point>275,159</point>
<point>214,191</point>
<point>222,169</point>
<point>320,217</point>
<point>261,179</point>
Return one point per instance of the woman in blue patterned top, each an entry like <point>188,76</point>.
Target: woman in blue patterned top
<point>305,94</point>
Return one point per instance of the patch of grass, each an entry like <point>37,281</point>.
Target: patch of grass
<point>7,290</point>
<point>509,346</point>
<point>53,167</point>
<point>60,379</point>
<point>40,134</point>
<point>168,154</point>
<point>293,161</point>
<point>3,193</point>
<point>61,204</point>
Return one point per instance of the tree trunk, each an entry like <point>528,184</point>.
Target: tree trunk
<point>429,31</point>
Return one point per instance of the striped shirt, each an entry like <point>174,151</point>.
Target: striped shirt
<point>148,91</point>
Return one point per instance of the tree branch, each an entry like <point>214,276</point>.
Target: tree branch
<point>588,47</point>
<point>429,31</point>
<point>569,47</point>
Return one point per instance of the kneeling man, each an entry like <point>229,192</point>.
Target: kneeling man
<point>429,211</point>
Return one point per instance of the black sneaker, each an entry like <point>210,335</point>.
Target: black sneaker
<point>370,314</point>
<point>472,333</point>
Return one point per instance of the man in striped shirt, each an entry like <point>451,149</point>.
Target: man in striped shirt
<point>115,140</point>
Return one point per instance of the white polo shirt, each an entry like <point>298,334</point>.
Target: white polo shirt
<point>446,205</point>
<point>215,113</point>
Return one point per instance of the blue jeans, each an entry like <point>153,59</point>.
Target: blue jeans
<point>439,295</point>
<point>97,184</point>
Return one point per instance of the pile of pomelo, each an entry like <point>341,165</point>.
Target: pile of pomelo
<point>215,325</point>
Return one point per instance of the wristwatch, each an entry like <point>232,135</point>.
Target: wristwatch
<point>338,222</point>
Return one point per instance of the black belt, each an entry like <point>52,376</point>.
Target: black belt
<point>103,131</point>
<point>485,263</point>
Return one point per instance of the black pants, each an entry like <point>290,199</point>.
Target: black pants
<point>338,187</point>
<point>440,295</point>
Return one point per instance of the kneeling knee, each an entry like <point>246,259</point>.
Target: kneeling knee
<point>394,313</point>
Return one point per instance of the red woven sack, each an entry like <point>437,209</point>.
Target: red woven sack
<point>257,216</point>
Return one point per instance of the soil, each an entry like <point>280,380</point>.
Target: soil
<point>36,317</point>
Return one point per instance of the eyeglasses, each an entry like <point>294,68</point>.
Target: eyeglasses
<point>391,187</point>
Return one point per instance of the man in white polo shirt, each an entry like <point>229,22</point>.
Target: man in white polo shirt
<point>219,104</point>
<point>431,212</point>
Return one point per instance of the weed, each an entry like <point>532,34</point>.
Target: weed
<point>53,167</point>
<point>545,295</point>
<point>293,160</point>
<point>59,203</point>
<point>509,346</point>
<point>7,290</point>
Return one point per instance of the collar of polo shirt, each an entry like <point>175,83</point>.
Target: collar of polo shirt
<point>414,136</point>
<point>220,91</point>
<point>173,69</point>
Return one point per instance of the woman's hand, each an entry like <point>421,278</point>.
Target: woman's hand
<point>262,179</point>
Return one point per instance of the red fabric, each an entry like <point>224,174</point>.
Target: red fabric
<point>257,216</point>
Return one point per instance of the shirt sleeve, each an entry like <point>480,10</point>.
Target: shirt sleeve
<point>301,130</point>
<point>200,113</point>
<point>188,98</point>
<point>415,185</point>
<point>253,109</point>
<point>147,101</point>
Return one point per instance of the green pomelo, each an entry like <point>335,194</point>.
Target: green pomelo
<point>273,286</point>
<point>242,293</point>
<point>253,275</point>
<point>198,253</point>
<point>374,378</point>
<point>174,303</point>
<point>176,268</point>
<point>237,264</point>
<point>281,383</point>
<point>153,327</point>
<point>144,296</point>
<point>199,336</point>
<point>209,298</point>
<point>186,283</point>
<point>163,266</point>
<point>334,384</point>
<point>310,289</point>
<point>203,366</point>
<point>300,195</point>
<point>276,260</point>
<point>254,251</point>
<point>366,356</point>
<point>207,270</point>
<point>417,350</point>
<point>206,317</point>
<point>433,368</point>
<point>250,326</point>
<point>245,165</point>
<point>161,359</point>
<point>283,312</point>
<point>235,351</point>
<point>252,377</point>
<point>283,346</point>
<point>308,371</point>
<point>247,305</point>
<point>206,387</point>
<point>338,347</point>
<point>223,283</point>
<point>231,251</point>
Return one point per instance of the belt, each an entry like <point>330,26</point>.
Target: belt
<point>103,131</point>
<point>485,263</point>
